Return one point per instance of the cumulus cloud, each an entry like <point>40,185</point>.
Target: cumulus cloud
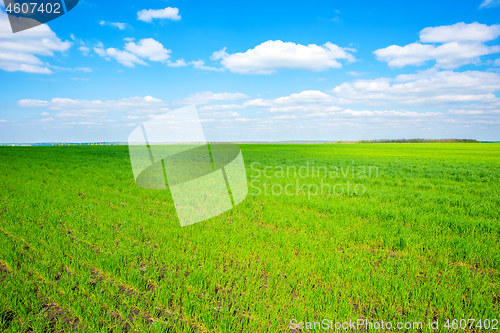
<point>274,55</point>
<point>118,25</point>
<point>461,44</point>
<point>308,104</point>
<point>72,112</point>
<point>309,101</point>
<point>242,120</point>
<point>285,117</point>
<point>450,55</point>
<point>21,51</point>
<point>354,73</point>
<point>68,103</point>
<point>489,4</point>
<point>96,109</point>
<point>148,48</point>
<point>207,96</point>
<point>425,88</point>
<point>205,113</point>
<point>123,57</point>
<point>388,113</point>
<point>220,107</point>
<point>177,63</point>
<point>147,15</point>
<point>85,50</point>
<point>460,32</point>
<point>200,64</point>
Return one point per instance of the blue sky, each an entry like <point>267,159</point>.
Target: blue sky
<point>257,70</point>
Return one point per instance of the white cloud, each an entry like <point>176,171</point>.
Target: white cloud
<point>242,120</point>
<point>84,69</point>
<point>460,32</point>
<point>21,51</point>
<point>100,51</point>
<point>305,102</point>
<point>449,55</point>
<point>476,112</point>
<point>438,89</point>
<point>178,63</point>
<point>296,99</point>
<point>271,56</point>
<point>32,102</point>
<point>67,105</point>
<point>67,112</point>
<point>132,117</point>
<point>147,15</point>
<point>386,113</point>
<point>462,45</point>
<point>354,73</point>
<point>316,115</point>
<point>123,57</point>
<point>148,48</point>
<point>218,114</point>
<point>85,50</point>
<point>285,117</point>
<point>200,64</point>
<point>118,25</point>
<point>207,96</point>
<point>425,74</point>
<point>497,62</point>
<point>489,4</point>
<point>220,107</point>
<point>129,39</point>
<point>81,69</point>
<point>333,109</point>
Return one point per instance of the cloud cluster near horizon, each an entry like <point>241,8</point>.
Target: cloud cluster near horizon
<point>461,44</point>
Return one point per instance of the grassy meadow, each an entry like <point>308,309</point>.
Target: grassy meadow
<point>83,248</point>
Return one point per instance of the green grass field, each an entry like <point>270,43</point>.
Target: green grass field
<point>83,248</point>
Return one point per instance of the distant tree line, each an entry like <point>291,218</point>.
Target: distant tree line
<point>422,141</point>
